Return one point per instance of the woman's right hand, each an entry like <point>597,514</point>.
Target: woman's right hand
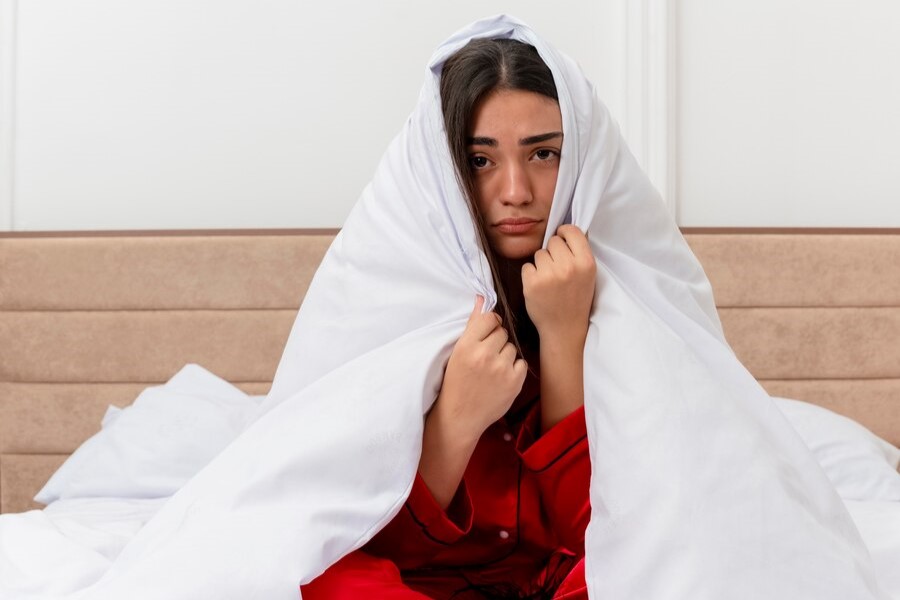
<point>481,381</point>
<point>483,375</point>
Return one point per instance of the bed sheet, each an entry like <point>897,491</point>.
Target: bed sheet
<point>67,546</point>
<point>879,525</point>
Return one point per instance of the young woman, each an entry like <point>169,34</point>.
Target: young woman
<point>500,502</point>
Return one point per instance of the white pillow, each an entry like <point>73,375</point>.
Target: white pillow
<point>860,465</point>
<point>151,448</point>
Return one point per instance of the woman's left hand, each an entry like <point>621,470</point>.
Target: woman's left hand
<point>559,286</point>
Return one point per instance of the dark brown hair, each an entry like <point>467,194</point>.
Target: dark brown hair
<point>477,69</point>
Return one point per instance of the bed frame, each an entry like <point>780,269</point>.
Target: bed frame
<point>90,319</point>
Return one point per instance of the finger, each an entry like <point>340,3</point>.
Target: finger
<point>520,368</point>
<point>509,353</point>
<point>480,328</point>
<point>479,304</point>
<point>558,249</point>
<point>484,322</point>
<point>575,239</point>
<point>542,260</point>
<point>480,325</point>
<point>496,339</point>
<point>528,272</point>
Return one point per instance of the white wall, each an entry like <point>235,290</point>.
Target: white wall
<point>242,114</point>
<point>788,113</point>
<point>224,113</point>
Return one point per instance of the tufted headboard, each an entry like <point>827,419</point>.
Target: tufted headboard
<point>90,319</point>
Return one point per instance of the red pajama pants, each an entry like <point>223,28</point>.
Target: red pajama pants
<point>515,527</point>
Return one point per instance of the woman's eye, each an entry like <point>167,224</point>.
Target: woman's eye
<point>546,154</point>
<point>478,162</point>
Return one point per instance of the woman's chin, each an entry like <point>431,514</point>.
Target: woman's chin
<point>518,251</point>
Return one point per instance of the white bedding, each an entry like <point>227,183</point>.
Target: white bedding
<point>879,525</point>
<point>70,544</point>
<point>76,540</point>
<point>697,477</point>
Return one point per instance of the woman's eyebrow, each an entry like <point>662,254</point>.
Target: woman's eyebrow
<point>542,137</point>
<point>481,141</point>
<point>532,139</point>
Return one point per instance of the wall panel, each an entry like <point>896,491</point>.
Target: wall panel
<point>787,113</point>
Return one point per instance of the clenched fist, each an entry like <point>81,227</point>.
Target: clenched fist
<point>559,286</point>
<point>483,375</point>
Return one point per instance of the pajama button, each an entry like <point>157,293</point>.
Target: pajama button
<point>504,534</point>
<point>507,437</point>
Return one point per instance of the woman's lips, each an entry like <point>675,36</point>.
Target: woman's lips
<point>516,226</point>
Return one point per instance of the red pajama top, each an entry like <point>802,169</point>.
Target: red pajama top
<point>519,515</point>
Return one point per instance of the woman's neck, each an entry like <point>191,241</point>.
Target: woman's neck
<point>510,272</point>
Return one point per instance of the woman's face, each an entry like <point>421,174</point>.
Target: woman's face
<point>514,149</point>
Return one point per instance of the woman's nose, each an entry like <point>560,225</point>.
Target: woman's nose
<point>516,186</point>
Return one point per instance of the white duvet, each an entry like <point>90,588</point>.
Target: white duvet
<point>71,544</point>
<point>700,486</point>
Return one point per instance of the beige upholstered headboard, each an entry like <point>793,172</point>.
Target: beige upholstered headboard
<point>813,314</point>
<point>88,320</point>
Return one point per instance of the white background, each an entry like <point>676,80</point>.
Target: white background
<point>788,113</point>
<point>255,114</point>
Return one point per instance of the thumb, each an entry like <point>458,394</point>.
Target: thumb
<point>479,304</point>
